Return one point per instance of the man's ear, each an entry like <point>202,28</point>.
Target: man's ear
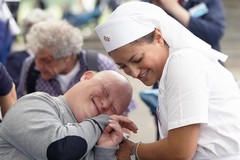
<point>87,75</point>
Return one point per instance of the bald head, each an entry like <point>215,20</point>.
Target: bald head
<point>118,85</point>
<point>113,76</point>
<point>104,92</point>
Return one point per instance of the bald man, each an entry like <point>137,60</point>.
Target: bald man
<point>40,126</point>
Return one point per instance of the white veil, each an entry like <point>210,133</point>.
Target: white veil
<point>145,17</point>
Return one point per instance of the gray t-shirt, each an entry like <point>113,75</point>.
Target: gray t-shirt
<point>41,127</point>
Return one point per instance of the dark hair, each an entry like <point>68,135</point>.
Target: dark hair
<point>149,38</point>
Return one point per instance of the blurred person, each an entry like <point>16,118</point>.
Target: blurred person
<point>78,13</point>
<point>26,7</point>
<point>89,14</point>
<point>13,7</point>
<point>8,94</point>
<point>204,18</point>
<point>198,99</point>
<point>59,59</point>
<point>9,29</point>
<point>15,59</point>
<point>40,126</point>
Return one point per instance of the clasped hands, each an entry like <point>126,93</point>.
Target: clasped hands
<point>113,133</point>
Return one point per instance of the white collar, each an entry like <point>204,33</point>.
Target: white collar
<point>65,79</point>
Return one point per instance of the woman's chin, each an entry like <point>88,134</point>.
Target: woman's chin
<point>148,83</point>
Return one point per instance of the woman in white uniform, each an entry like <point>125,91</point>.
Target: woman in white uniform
<point>199,100</point>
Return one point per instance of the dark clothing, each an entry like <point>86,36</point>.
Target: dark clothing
<point>14,64</point>
<point>6,39</point>
<point>209,27</point>
<point>5,81</point>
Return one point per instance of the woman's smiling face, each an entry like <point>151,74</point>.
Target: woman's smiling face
<point>143,60</point>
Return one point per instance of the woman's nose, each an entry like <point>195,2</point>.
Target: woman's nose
<point>134,71</point>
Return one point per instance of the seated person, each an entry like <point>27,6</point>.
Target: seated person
<point>40,126</point>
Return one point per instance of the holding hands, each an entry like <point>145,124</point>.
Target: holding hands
<point>113,133</point>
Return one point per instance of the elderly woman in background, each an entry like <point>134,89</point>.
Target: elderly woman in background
<point>15,59</point>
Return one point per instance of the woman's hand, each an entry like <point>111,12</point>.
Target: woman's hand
<point>125,150</point>
<point>125,122</point>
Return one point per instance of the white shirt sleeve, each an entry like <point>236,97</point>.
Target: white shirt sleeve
<point>187,91</point>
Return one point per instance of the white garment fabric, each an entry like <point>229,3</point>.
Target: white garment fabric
<point>193,90</point>
<point>238,83</point>
<point>65,79</point>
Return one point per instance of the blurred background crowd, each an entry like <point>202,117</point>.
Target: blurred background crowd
<point>80,13</point>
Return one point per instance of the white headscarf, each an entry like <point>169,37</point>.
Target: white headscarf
<point>133,20</point>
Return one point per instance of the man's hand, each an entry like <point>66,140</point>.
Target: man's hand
<point>112,135</point>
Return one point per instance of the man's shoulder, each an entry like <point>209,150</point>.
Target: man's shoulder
<point>36,95</point>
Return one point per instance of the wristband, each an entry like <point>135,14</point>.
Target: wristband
<point>134,149</point>
<point>136,152</point>
<point>132,155</point>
